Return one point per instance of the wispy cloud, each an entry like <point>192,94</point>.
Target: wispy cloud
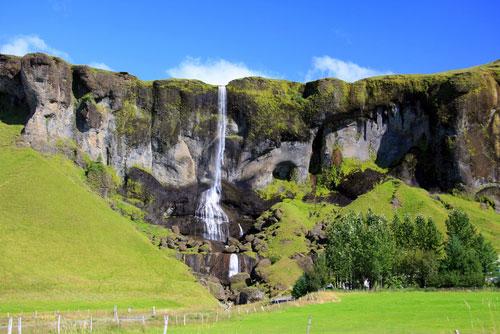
<point>23,44</point>
<point>326,66</point>
<point>216,72</point>
<point>101,66</point>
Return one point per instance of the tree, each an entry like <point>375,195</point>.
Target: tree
<point>418,247</point>
<point>468,256</point>
<point>314,279</point>
<point>360,248</point>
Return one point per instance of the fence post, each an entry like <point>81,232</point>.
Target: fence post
<point>184,319</point>
<point>154,311</point>
<point>91,324</point>
<point>143,321</point>
<point>217,316</point>
<point>58,324</point>
<point>9,327</point>
<point>115,313</point>
<point>165,325</point>
<point>19,326</point>
<point>309,325</point>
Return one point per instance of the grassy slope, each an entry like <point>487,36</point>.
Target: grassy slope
<point>414,201</point>
<point>379,312</point>
<point>62,247</point>
<point>298,217</point>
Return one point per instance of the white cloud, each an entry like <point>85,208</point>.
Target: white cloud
<point>21,45</point>
<point>326,66</point>
<point>216,72</point>
<point>101,66</point>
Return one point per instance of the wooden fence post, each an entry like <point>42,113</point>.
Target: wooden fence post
<point>165,325</point>
<point>115,313</point>
<point>309,325</point>
<point>9,326</point>
<point>154,311</point>
<point>91,324</point>
<point>58,324</point>
<point>184,319</point>
<point>143,321</point>
<point>19,326</point>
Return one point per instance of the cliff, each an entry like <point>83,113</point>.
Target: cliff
<point>448,122</point>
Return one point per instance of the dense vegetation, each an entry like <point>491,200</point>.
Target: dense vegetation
<point>368,251</point>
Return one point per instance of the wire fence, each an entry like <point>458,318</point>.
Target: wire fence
<point>98,321</point>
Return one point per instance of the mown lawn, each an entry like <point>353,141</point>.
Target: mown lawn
<point>365,312</point>
<point>63,248</point>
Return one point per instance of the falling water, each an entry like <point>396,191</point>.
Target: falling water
<point>241,230</point>
<point>209,209</point>
<point>234,265</point>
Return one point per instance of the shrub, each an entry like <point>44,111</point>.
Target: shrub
<point>312,280</point>
<point>101,178</point>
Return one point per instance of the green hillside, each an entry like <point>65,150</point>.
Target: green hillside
<point>62,247</point>
<point>288,237</point>
<point>395,196</point>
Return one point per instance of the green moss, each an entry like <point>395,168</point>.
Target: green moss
<point>186,85</point>
<point>133,123</point>
<point>288,238</point>
<point>102,178</point>
<point>284,189</point>
<point>274,108</point>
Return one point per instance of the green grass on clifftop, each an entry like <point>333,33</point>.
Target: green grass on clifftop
<point>63,248</point>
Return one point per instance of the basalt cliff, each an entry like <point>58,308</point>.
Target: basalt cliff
<point>438,131</point>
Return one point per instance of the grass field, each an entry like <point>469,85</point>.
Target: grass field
<point>366,312</point>
<point>63,248</point>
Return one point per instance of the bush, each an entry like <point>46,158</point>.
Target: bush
<point>312,280</point>
<point>101,178</point>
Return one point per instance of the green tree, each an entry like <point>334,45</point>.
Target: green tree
<point>360,248</point>
<point>313,280</point>
<point>468,257</point>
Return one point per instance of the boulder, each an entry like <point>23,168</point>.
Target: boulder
<point>250,295</point>
<point>239,281</point>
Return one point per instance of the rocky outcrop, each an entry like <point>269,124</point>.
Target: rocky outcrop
<point>276,129</point>
<point>217,264</point>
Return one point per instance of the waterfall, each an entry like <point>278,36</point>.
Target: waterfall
<point>241,230</point>
<point>209,210</point>
<point>234,265</point>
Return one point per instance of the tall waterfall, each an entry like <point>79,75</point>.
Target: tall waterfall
<point>234,265</point>
<point>209,209</point>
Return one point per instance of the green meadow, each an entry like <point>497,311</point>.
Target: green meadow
<point>63,248</point>
<point>365,312</point>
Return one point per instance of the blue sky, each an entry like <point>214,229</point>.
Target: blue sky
<point>219,40</point>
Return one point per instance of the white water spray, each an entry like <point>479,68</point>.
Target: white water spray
<point>241,230</point>
<point>234,265</point>
<point>209,209</point>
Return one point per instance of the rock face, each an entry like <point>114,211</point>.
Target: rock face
<point>450,122</point>
<point>217,264</point>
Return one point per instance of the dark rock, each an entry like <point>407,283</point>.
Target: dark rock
<point>239,281</point>
<point>217,264</point>
<point>231,249</point>
<point>360,182</point>
<point>182,246</point>
<point>250,295</point>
